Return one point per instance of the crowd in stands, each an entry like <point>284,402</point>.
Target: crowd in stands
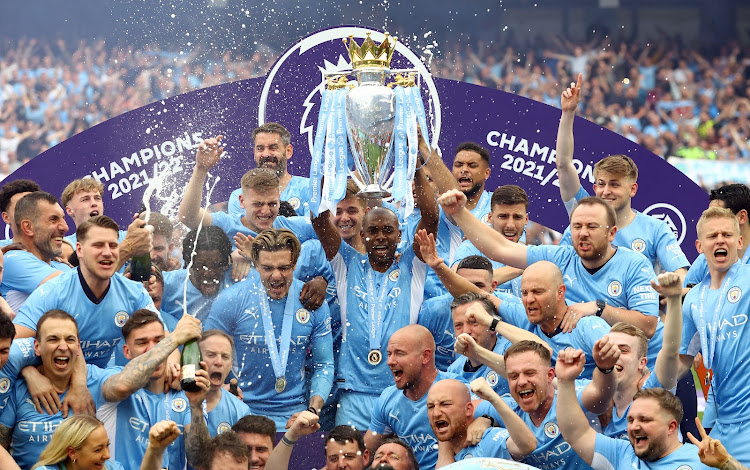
<point>674,99</point>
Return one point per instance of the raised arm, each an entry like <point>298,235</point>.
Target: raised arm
<point>568,176</point>
<point>427,206</point>
<point>570,417</point>
<point>611,315</point>
<point>669,368</point>
<point>455,284</point>
<point>160,436</point>
<point>305,424</point>
<point>327,234</point>
<point>597,395</point>
<point>440,173</point>
<point>138,371</point>
<point>522,441</point>
<point>196,433</point>
<point>190,212</point>
<point>493,244</point>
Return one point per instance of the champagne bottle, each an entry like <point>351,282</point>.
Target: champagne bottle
<point>233,388</point>
<point>140,265</point>
<point>190,361</point>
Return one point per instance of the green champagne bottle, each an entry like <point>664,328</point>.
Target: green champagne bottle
<point>190,361</point>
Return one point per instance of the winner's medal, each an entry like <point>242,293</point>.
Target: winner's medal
<point>375,357</point>
<point>280,384</point>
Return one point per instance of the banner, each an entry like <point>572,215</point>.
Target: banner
<point>159,140</point>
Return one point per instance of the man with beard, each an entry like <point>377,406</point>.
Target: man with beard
<point>471,168</point>
<point>509,216</point>
<point>451,411</point>
<point>10,194</point>
<point>615,182</point>
<point>41,227</point>
<point>471,334</point>
<point>213,410</point>
<point>535,400</point>
<point>378,294</point>
<point>543,296</point>
<point>600,279</point>
<point>272,149</point>
<point>82,200</point>
<point>653,427</point>
<point>101,298</point>
<point>206,273</point>
<point>256,313</point>
<point>402,409</point>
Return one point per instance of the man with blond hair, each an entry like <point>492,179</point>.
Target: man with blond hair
<point>82,200</point>
<point>615,181</point>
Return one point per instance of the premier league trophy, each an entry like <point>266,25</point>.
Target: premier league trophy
<point>368,121</point>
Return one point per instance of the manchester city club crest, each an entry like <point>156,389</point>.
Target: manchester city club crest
<point>394,275</point>
<point>638,245</point>
<point>179,405</point>
<point>302,315</point>
<point>492,378</point>
<point>4,384</point>
<point>734,294</point>
<point>295,202</point>
<point>614,288</point>
<point>121,318</point>
<point>551,430</point>
<point>223,427</point>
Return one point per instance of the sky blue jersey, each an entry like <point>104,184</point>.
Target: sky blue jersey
<point>238,311</point>
<point>99,321</point>
<point>22,274</point>
<point>619,454</point>
<point>394,413</point>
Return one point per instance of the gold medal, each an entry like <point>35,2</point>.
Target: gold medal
<point>374,357</point>
<point>280,384</point>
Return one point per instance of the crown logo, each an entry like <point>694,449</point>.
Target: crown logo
<point>370,54</point>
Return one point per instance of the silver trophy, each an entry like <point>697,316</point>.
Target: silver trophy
<point>370,117</point>
<point>370,111</point>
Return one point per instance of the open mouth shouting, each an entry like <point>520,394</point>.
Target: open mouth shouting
<point>465,183</point>
<point>62,362</point>
<point>721,255</point>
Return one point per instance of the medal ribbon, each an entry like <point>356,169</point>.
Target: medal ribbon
<point>279,355</point>
<point>376,305</point>
<point>316,168</point>
<point>708,335</point>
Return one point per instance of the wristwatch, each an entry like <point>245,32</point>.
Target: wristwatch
<point>494,323</point>
<point>600,304</point>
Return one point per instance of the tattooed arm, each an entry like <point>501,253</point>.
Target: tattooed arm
<point>196,433</point>
<point>136,374</point>
<point>5,435</point>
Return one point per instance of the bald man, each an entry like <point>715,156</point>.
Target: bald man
<point>451,411</point>
<point>543,297</point>
<point>402,408</point>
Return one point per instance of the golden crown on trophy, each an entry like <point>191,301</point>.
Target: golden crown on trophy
<point>370,54</point>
